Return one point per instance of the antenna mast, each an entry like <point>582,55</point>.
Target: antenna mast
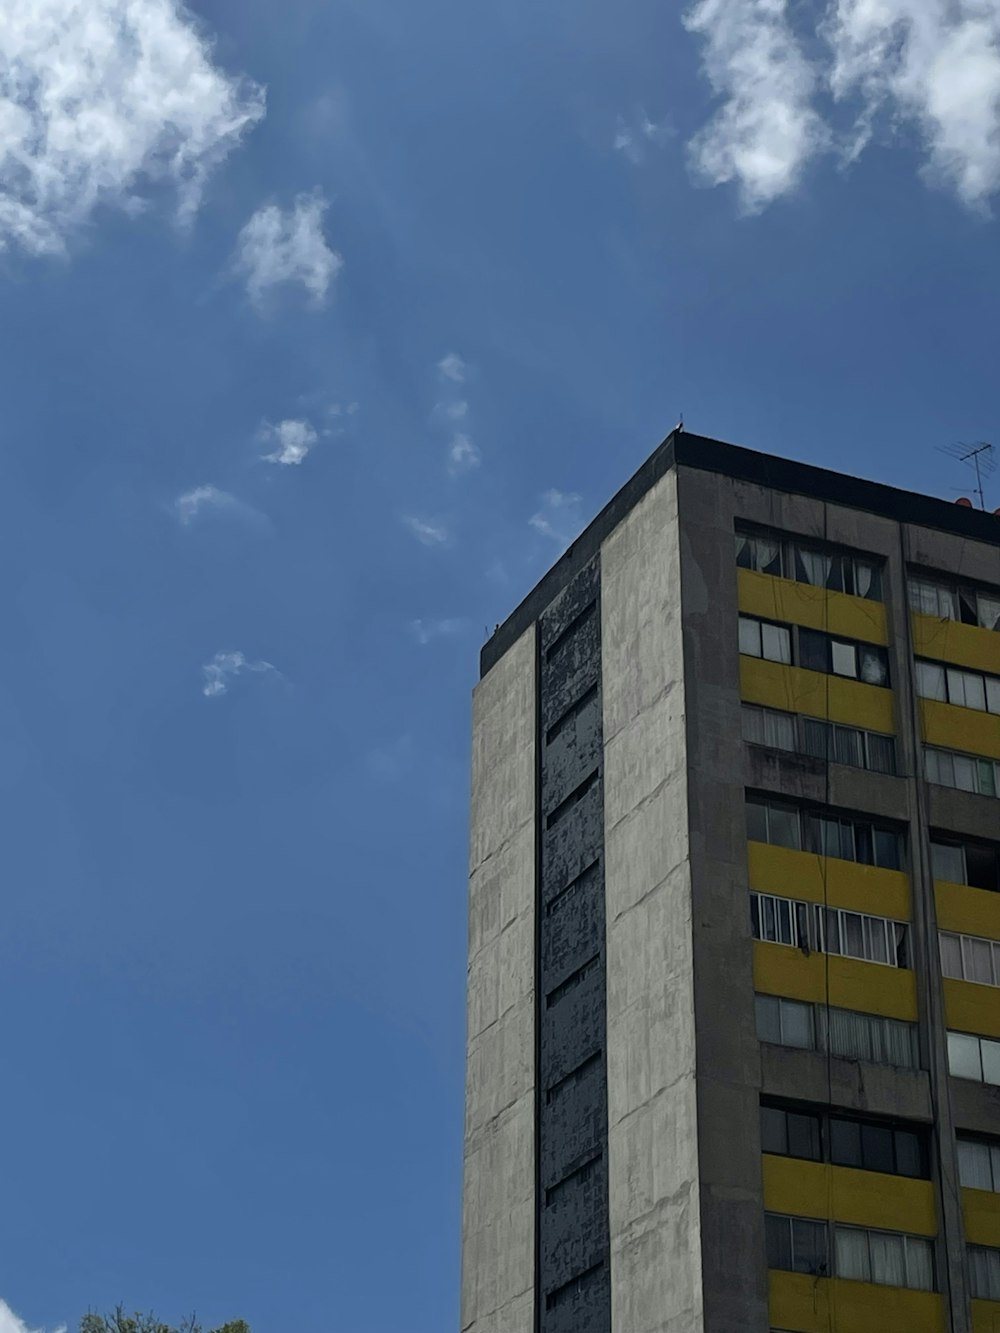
<point>980,457</point>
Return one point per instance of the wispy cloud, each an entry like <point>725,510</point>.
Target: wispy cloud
<point>462,454</point>
<point>188,506</point>
<point>424,631</point>
<point>767,128</point>
<point>558,517</point>
<point>430,534</point>
<point>291,439</point>
<point>637,134</point>
<point>279,246</point>
<point>222,670</point>
<point>102,101</point>
<point>391,761</point>
<point>890,64</point>
<point>452,367</point>
<point>10,1323</point>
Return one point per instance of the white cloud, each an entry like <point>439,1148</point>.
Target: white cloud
<point>454,410</point>
<point>292,440</point>
<point>767,128</point>
<point>559,516</point>
<point>280,246</point>
<point>430,534</point>
<point>188,506</point>
<point>10,1323</point>
<point>452,367</point>
<point>224,667</point>
<point>935,63</point>
<point>462,454</point>
<point>636,134</point>
<point>426,630</point>
<point>101,101</point>
<point>931,64</point>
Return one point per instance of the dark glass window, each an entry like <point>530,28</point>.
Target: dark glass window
<point>814,650</point>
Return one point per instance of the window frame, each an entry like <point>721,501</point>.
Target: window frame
<point>806,646</point>
<point>958,680</point>
<point>817,828</point>
<point>965,943</point>
<point>843,566</point>
<point>814,928</point>
<point>991,1146</point>
<point>907,1238</point>
<point>958,595</point>
<point>953,1036</point>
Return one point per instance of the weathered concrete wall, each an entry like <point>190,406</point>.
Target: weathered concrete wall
<point>732,1205</point>
<point>653,1152</point>
<point>498,1226</point>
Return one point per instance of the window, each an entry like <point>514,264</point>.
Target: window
<point>964,772</point>
<point>808,562</point>
<point>950,601</point>
<point>984,1268</point>
<point>822,740</point>
<point>873,939</point>
<point>824,1136</point>
<point>974,863</point>
<point>768,726</point>
<point>785,1022</point>
<point>955,685</point>
<point>887,1258</point>
<point>790,1133</point>
<point>797,1244</point>
<point>969,958</point>
<point>976,1058</point>
<point>842,1032</point>
<point>855,1036</point>
<point>979,1164</point>
<point>785,825</point>
<point>813,650</point>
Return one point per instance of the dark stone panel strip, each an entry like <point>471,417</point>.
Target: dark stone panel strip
<point>572,1234</point>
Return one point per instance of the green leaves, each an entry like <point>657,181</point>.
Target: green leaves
<point>120,1322</point>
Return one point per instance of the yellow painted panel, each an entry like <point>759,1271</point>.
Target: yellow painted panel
<point>970,1007</point>
<point>827,879</point>
<point>872,988</point>
<point>800,604</point>
<point>862,1198</point>
<point>966,729</point>
<point>819,1305</point>
<point>966,910</point>
<point>981,1209</point>
<point>951,641</point>
<point>986,1317</point>
<point>816,694</point>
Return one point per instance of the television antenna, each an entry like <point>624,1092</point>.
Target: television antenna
<point>981,457</point>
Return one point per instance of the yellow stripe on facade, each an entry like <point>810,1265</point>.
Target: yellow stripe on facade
<point>800,604</point>
<point>871,988</point>
<point>843,1194</point>
<point>967,729</point>
<point>981,1210</point>
<point>986,1317</point>
<point>823,1305</point>
<point>951,641</point>
<point>971,1007</point>
<point>965,910</point>
<point>826,879</point>
<point>816,694</point>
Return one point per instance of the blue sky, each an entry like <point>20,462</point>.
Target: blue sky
<point>325,326</point>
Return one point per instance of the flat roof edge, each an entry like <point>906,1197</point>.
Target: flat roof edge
<point>779,474</point>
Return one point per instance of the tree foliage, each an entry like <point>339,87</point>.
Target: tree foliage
<point>120,1322</point>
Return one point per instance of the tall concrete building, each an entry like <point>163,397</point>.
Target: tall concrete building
<point>734,935</point>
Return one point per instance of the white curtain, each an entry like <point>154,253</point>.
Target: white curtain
<point>814,566</point>
<point>852,1254</point>
<point>888,1258</point>
<point>974,1165</point>
<point>919,1264</point>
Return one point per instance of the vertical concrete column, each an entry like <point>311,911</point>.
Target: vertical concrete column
<point>656,1265</point>
<point>498,1226</point>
